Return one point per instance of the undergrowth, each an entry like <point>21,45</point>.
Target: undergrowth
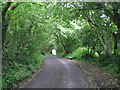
<point>16,72</point>
<point>110,64</point>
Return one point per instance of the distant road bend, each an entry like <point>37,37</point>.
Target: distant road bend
<point>59,73</point>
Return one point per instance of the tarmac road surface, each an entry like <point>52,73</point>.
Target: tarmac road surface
<point>59,73</point>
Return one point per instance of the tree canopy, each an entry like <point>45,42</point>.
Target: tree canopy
<point>32,29</point>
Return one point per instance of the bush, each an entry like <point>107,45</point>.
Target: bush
<point>111,63</point>
<point>88,56</point>
<point>17,72</point>
<point>81,53</point>
<point>113,59</point>
<point>61,54</point>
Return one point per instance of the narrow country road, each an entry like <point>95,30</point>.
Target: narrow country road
<point>59,73</point>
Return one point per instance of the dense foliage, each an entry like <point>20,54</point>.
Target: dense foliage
<point>89,31</point>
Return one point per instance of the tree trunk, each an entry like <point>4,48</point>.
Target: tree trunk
<point>107,44</point>
<point>115,42</point>
<point>107,50</point>
<point>4,22</point>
